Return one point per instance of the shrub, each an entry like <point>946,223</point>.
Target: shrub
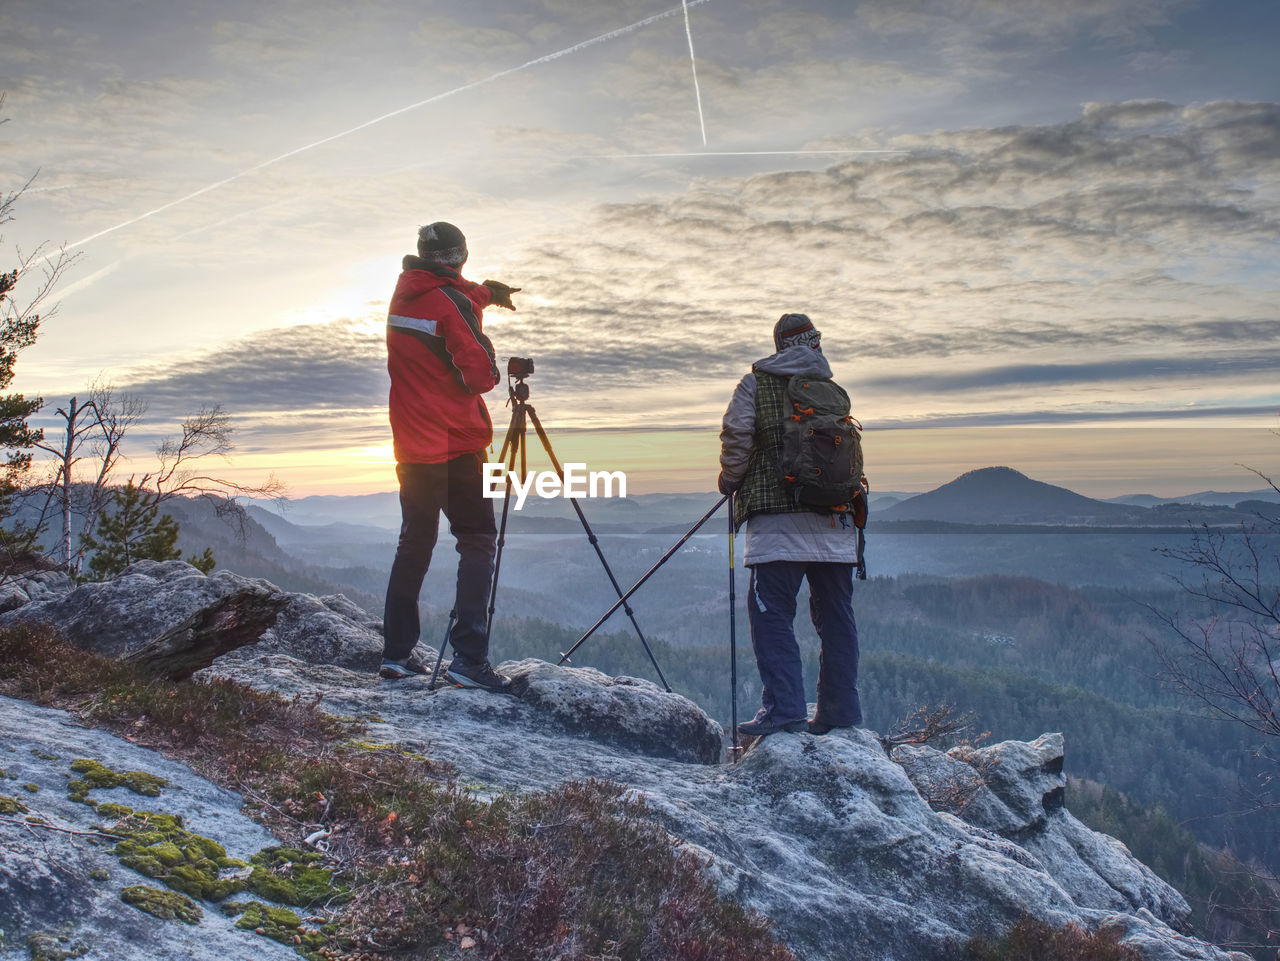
<point>1033,940</point>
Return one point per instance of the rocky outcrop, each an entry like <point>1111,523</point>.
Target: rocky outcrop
<point>20,589</point>
<point>150,598</point>
<point>828,836</point>
<point>852,851</point>
<point>1015,791</point>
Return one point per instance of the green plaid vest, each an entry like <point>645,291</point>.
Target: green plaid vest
<point>761,491</point>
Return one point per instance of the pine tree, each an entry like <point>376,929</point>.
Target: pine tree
<point>131,529</point>
<point>205,562</point>
<point>17,330</point>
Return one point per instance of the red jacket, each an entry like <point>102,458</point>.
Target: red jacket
<point>440,363</point>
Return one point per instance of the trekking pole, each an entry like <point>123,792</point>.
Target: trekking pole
<point>735,752</point>
<point>453,615</point>
<point>636,586</point>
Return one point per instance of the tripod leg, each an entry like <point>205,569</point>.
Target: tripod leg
<point>514,442</point>
<point>671,551</point>
<point>595,542</point>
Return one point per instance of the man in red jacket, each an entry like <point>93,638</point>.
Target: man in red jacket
<point>441,364</point>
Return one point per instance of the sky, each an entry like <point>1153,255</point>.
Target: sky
<point>1038,234</point>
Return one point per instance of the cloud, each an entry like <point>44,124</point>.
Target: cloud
<point>1072,271</point>
<point>319,367</point>
<point>1140,228</point>
<point>1083,374</point>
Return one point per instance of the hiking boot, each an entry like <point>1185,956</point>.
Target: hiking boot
<point>762,724</point>
<point>393,670</point>
<point>819,728</point>
<point>482,676</point>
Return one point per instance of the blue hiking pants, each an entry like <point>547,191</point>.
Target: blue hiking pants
<point>771,606</point>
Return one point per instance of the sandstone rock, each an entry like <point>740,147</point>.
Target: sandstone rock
<point>17,590</point>
<point>69,885</point>
<point>828,836</point>
<point>626,711</point>
<point>1016,790</point>
<point>150,598</point>
<point>630,714</point>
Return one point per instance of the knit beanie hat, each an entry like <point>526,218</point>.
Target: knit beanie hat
<point>443,243</point>
<point>792,329</point>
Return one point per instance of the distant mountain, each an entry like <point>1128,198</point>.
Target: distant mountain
<point>365,510</point>
<point>1208,498</point>
<point>1002,495</point>
<point>638,512</point>
<point>1137,500</point>
<point>880,500</point>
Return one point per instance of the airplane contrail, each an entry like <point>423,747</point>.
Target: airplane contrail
<point>611,35</point>
<point>693,63</point>
<point>728,153</point>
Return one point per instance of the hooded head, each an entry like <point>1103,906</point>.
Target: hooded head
<point>792,329</point>
<point>442,243</point>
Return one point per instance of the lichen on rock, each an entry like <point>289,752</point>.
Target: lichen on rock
<point>52,947</point>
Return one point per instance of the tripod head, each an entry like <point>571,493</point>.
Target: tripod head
<point>518,368</point>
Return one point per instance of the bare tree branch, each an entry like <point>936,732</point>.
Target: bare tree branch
<point>205,434</point>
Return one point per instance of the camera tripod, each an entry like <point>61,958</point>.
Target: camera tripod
<point>514,446</point>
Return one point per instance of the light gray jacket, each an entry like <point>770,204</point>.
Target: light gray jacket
<point>803,536</point>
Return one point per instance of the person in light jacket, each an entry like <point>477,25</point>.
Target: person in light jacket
<point>786,543</point>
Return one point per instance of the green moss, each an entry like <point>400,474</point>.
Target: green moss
<point>369,746</point>
<point>292,876</point>
<point>157,845</point>
<point>167,905</point>
<point>100,874</point>
<point>36,752</point>
<point>49,947</point>
<point>166,852</point>
<point>281,924</point>
<point>33,788</point>
<point>11,805</point>
<point>94,774</point>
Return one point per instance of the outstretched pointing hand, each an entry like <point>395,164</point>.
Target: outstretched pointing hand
<point>501,293</point>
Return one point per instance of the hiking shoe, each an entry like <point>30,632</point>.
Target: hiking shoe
<point>482,676</point>
<point>761,725</point>
<point>818,728</point>
<point>393,670</point>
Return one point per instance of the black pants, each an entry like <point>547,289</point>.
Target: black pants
<point>426,490</point>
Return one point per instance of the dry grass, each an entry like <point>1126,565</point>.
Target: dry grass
<point>1032,939</point>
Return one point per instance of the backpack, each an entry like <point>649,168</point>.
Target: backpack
<point>821,461</point>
